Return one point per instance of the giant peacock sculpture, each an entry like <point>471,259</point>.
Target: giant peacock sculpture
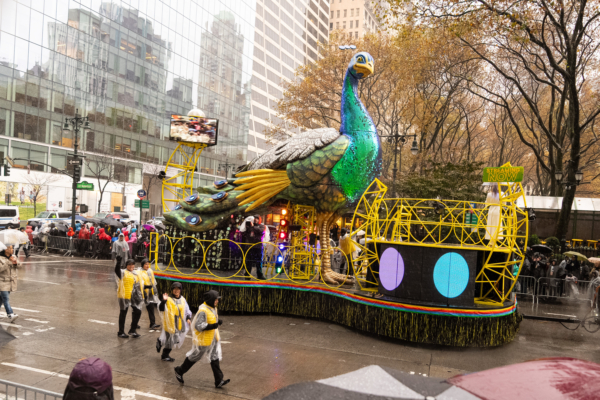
<point>325,168</point>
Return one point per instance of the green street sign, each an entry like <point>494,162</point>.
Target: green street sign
<point>85,186</point>
<point>470,219</point>
<point>503,174</point>
<point>145,203</point>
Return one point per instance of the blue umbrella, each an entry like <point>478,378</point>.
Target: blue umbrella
<point>80,218</point>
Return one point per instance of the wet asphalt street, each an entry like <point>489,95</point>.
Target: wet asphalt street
<point>68,311</point>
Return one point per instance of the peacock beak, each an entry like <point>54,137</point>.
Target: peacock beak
<point>364,70</point>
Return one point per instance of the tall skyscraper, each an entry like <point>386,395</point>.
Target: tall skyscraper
<point>287,35</point>
<point>127,65</point>
<point>356,17</point>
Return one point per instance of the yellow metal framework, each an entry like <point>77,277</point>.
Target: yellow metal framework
<point>446,224</point>
<point>303,257</point>
<point>183,160</point>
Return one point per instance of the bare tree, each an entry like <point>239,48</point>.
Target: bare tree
<point>38,183</point>
<point>152,178</point>
<point>104,169</point>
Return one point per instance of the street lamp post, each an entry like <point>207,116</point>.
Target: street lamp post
<point>399,140</point>
<point>227,165</point>
<point>76,123</point>
<point>558,176</point>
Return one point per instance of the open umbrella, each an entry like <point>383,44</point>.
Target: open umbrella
<point>148,227</point>
<point>61,226</point>
<point>13,237</point>
<point>111,222</point>
<point>579,256</point>
<point>595,261</point>
<point>540,248</point>
<point>80,218</point>
<point>34,224</point>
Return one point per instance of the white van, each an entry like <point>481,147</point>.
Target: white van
<point>9,217</point>
<point>51,216</point>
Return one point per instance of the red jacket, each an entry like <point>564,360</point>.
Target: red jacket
<point>84,233</point>
<point>29,232</point>
<point>103,236</point>
<point>71,232</point>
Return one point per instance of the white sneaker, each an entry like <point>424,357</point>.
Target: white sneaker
<point>13,317</point>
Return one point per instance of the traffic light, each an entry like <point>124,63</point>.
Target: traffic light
<point>76,173</point>
<point>6,170</point>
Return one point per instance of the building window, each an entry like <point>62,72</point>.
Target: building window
<point>344,24</point>
<point>337,25</point>
<point>352,12</point>
<point>351,24</point>
<point>345,13</point>
<point>331,25</point>
<point>356,35</point>
<point>338,13</point>
<point>357,23</point>
<point>332,14</point>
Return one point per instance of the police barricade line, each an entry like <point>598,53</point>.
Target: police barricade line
<point>526,286</point>
<point>17,391</point>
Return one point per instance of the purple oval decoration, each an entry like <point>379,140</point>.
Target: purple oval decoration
<point>391,269</point>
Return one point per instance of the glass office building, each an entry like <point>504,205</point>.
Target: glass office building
<point>127,65</point>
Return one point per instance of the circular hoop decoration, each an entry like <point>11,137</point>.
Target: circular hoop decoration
<point>192,199</point>
<point>220,184</point>
<point>219,197</point>
<point>193,219</point>
<point>178,207</point>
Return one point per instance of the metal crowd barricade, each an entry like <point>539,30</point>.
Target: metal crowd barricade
<point>60,243</point>
<point>16,391</point>
<point>526,286</point>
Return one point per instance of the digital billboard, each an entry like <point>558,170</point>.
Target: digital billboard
<point>194,129</point>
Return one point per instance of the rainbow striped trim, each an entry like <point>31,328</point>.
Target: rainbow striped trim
<point>443,311</point>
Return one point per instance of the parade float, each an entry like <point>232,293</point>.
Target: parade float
<point>426,270</point>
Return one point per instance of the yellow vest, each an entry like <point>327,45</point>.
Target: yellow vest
<point>148,279</point>
<point>346,245</point>
<point>174,313</point>
<point>205,338</point>
<point>128,279</point>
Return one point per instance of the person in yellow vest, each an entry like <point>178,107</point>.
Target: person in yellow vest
<point>347,247</point>
<point>206,342</point>
<point>129,293</point>
<point>176,320</point>
<point>150,291</point>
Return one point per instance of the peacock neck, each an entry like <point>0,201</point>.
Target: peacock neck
<point>361,163</point>
<point>356,120</point>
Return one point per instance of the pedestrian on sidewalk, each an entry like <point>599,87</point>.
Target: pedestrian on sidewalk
<point>150,291</point>
<point>176,320</point>
<point>27,244</point>
<point>206,341</point>
<point>129,293</point>
<point>120,249</point>
<point>8,278</point>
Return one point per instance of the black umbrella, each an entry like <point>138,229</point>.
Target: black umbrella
<point>61,226</point>
<point>543,249</point>
<point>34,224</point>
<point>111,222</point>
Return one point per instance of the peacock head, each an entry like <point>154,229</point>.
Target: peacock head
<point>361,65</point>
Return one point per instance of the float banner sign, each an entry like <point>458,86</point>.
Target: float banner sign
<point>194,129</point>
<point>503,174</point>
<point>85,186</point>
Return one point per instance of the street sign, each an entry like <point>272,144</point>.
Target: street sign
<point>75,162</point>
<point>145,204</point>
<point>141,193</point>
<point>85,186</point>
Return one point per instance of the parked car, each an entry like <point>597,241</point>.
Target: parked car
<point>51,216</point>
<point>9,217</point>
